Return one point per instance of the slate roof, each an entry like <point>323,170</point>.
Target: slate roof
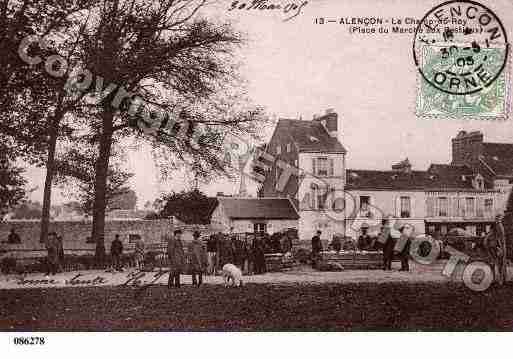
<point>258,208</point>
<point>499,157</point>
<point>439,177</point>
<point>310,136</point>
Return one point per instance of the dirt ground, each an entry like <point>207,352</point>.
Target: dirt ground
<point>260,307</point>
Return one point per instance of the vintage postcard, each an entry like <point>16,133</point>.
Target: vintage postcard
<point>255,165</point>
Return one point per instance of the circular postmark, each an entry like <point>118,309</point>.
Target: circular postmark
<point>460,47</point>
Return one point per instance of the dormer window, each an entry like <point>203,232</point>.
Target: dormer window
<point>463,178</point>
<point>278,150</point>
<point>479,182</point>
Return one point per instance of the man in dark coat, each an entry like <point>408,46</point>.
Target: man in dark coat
<point>385,237</point>
<point>13,237</point>
<point>116,251</point>
<point>316,247</point>
<point>405,242</point>
<point>258,254</point>
<point>197,259</point>
<point>495,244</point>
<point>364,240</point>
<point>176,256</point>
<point>52,248</point>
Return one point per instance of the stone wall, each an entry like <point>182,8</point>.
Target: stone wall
<point>76,233</point>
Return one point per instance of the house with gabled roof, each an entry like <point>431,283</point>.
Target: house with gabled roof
<point>445,196</point>
<point>313,149</point>
<point>255,215</point>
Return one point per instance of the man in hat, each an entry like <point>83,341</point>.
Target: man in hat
<point>316,247</point>
<point>388,241</point>
<point>495,243</point>
<point>52,248</point>
<point>364,240</point>
<point>176,256</point>
<point>197,259</point>
<point>402,246</point>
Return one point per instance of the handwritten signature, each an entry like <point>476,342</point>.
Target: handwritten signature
<point>140,279</point>
<point>291,9</point>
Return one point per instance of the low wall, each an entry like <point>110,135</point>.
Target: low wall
<point>76,234</point>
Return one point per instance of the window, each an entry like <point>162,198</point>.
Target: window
<point>430,206</point>
<point>338,204</point>
<point>443,206</point>
<point>469,206</point>
<point>278,150</point>
<point>488,207</point>
<point>405,207</point>
<point>322,166</point>
<point>260,227</point>
<point>321,198</point>
<point>289,147</point>
<point>365,211</point>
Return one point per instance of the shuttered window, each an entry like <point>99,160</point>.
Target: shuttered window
<point>430,206</point>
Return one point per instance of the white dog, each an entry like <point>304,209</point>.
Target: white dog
<point>230,271</point>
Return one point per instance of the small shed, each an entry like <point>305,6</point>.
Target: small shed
<point>260,215</point>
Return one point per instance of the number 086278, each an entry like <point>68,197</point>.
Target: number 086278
<point>29,341</point>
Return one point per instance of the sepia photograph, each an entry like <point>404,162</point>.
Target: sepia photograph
<point>255,166</point>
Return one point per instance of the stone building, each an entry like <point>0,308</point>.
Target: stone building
<point>257,215</point>
<point>313,153</point>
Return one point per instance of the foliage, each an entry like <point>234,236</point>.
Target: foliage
<point>76,173</point>
<point>28,210</point>
<point>192,207</point>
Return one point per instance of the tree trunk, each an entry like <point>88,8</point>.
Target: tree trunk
<point>100,187</point>
<point>53,130</point>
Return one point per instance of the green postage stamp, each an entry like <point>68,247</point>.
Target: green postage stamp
<point>461,52</point>
<point>489,101</point>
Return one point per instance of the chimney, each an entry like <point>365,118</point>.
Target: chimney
<point>330,122</point>
<point>467,147</point>
<point>403,166</point>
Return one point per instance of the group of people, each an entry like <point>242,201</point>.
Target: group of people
<point>247,253</point>
<point>386,241</point>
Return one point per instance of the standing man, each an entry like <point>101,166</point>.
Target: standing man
<point>176,258</point>
<point>364,240</point>
<point>13,237</point>
<point>139,253</point>
<point>52,248</point>
<point>197,259</point>
<point>316,247</point>
<point>404,242</point>
<point>116,251</point>
<point>495,243</point>
<point>385,237</point>
<point>60,253</point>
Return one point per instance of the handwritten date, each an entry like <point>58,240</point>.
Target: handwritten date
<point>291,9</point>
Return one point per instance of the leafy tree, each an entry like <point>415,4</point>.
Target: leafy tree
<point>192,207</point>
<point>75,169</point>
<point>164,53</point>
<point>126,200</point>
<point>28,210</point>
<point>35,104</point>
<point>12,182</point>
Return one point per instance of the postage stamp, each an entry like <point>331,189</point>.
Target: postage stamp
<point>461,52</point>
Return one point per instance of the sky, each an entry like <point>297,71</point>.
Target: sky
<point>298,68</point>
